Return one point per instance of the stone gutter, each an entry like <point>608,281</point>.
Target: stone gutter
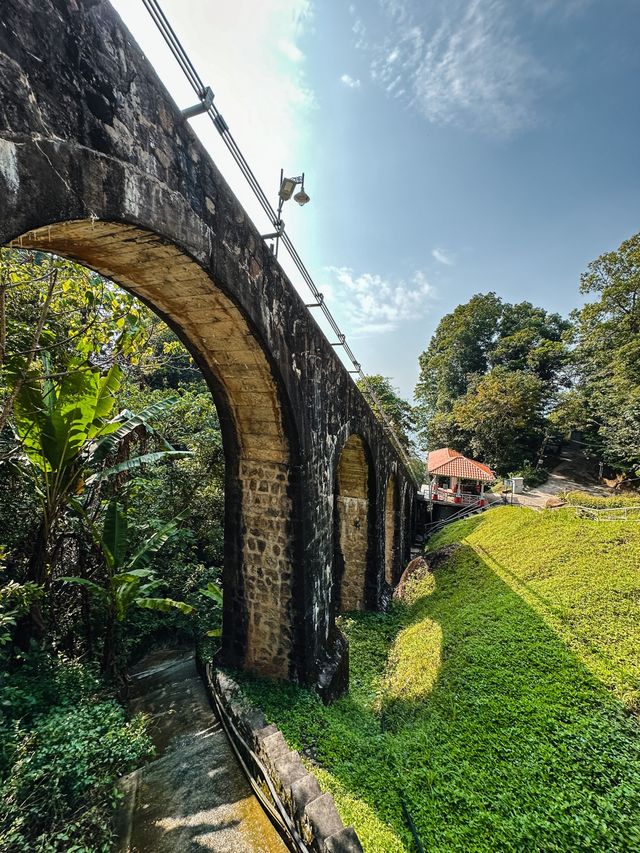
<point>313,820</point>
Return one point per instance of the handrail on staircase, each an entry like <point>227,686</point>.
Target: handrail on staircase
<point>462,513</point>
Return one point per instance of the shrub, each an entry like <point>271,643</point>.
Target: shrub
<point>532,476</point>
<point>62,783</point>
<point>596,502</point>
<point>63,745</point>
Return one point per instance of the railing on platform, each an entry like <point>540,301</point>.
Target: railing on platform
<point>620,513</point>
<point>462,513</point>
<point>447,496</point>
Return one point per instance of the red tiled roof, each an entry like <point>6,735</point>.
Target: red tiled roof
<point>449,463</point>
<point>440,457</point>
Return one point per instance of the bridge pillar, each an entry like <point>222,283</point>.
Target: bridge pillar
<point>353,540</point>
<point>97,163</point>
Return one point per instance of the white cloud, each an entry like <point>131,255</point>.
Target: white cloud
<point>443,257</point>
<point>360,32</point>
<point>461,62</point>
<point>349,81</point>
<point>291,50</point>
<point>374,304</point>
<point>562,9</point>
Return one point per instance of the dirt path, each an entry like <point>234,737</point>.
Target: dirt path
<point>571,473</point>
<point>193,796</point>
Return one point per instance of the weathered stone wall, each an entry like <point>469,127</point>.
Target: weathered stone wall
<point>390,529</point>
<point>97,163</point>
<point>352,505</point>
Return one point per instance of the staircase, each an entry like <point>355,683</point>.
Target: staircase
<point>417,546</point>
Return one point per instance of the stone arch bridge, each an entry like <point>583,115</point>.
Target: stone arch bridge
<point>98,164</point>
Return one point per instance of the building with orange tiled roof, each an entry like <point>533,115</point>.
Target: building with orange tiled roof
<point>456,479</point>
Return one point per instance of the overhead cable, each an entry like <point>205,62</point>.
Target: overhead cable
<point>206,98</point>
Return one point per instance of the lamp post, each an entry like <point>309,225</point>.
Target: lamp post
<point>287,187</point>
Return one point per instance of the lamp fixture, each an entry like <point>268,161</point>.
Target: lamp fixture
<point>301,197</point>
<point>287,188</point>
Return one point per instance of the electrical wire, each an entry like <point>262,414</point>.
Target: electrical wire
<point>168,33</point>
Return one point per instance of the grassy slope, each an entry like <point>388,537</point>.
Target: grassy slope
<point>497,700</point>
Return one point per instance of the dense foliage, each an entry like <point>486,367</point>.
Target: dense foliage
<point>497,380</point>
<point>111,520</point>
<point>387,404</point>
<point>605,402</point>
<point>488,377</point>
<point>578,498</point>
<point>64,744</point>
<point>396,414</point>
<point>499,701</point>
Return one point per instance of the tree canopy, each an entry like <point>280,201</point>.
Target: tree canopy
<point>384,399</point>
<point>490,372</point>
<point>605,400</point>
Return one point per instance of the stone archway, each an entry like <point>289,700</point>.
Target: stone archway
<point>98,163</point>
<point>391,530</point>
<point>260,443</point>
<point>353,512</point>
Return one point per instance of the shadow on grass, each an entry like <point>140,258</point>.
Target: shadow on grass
<point>580,638</point>
<point>500,739</point>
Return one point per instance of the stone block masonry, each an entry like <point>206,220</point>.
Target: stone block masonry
<point>98,164</point>
<point>311,812</point>
<point>391,530</point>
<point>353,525</point>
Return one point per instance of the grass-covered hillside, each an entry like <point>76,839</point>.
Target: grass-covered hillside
<point>499,701</point>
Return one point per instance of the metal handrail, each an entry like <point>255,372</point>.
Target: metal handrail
<point>273,805</point>
<point>604,513</point>
<point>464,511</point>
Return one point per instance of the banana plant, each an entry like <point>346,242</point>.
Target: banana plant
<point>213,593</point>
<point>128,579</point>
<point>66,430</point>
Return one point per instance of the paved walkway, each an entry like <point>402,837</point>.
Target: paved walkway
<point>571,474</point>
<point>193,796</point>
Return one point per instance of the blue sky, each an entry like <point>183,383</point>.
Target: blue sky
<point>450,147</point>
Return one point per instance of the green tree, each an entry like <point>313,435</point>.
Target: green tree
<point>530,338</point>
<point>129,580</point>
<point>384,398</point>
<point>65,431</point>
<point>63,327</point>
<point>472,351</point>
<point>458,349</point>
<point>501,418</point>
<point>49,304</point>
<point>607,357</point>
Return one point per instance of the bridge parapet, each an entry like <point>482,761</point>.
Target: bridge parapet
<point>97,163</point>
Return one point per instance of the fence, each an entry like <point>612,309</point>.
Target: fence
<point>471,509</point>
<point>620,513</point>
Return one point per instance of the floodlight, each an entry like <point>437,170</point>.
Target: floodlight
<point>287,187</point>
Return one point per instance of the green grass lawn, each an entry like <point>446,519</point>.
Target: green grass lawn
<point>499,701</point>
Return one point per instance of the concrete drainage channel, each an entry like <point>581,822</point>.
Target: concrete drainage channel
<point>222,781</point>
<point>306,819</point>
<point>193,796</point>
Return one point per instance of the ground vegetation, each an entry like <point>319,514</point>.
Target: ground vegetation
<point>111,519</point>
<point>498,703</point>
